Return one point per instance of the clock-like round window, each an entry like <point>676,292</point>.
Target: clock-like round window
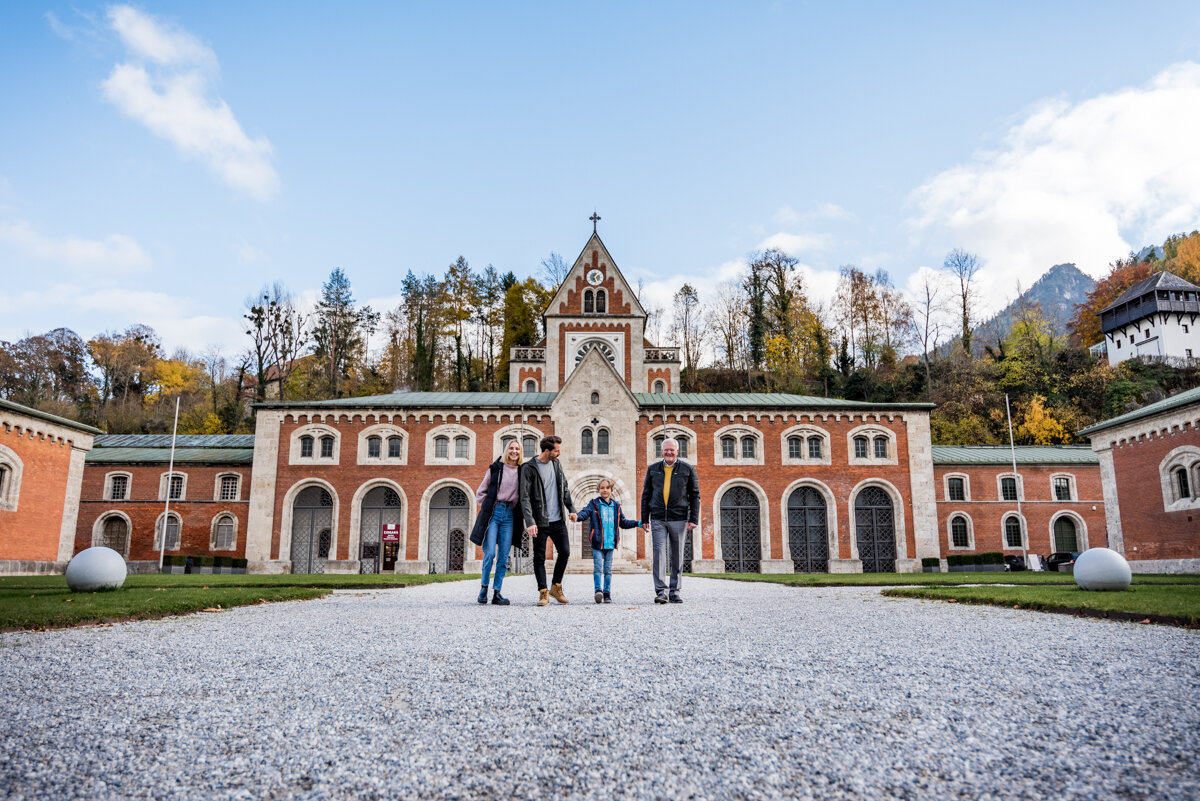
<point>605,350</point>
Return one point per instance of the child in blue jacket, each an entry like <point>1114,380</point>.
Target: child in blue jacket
<point>607,520</point>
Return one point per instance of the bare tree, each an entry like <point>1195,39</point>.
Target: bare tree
<point>929,306</point>
<point>688,327</point>
<point>963,266</point>
<point>554,270</point>
<point>727,319</point>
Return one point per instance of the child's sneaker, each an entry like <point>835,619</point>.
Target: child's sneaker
<point>599,596</point>
<point>607,598</point>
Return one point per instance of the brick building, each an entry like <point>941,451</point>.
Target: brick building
<point>788,482</point>
<point>1150,469</point>
<point>41,468</point>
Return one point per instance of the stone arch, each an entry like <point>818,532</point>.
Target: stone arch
<point>285,519</point>
<point>970,522</point>
<point>764,506</point>
<point>898,507</point>
<point>98,529</point>
<point>831,517</point>
<point>162,521</point>
<point>215,523</point>
<point>584,486</point>
<point>356,501</point>
<point>1024,523</point>
<point>1081,532</point>
<point>426,499</point>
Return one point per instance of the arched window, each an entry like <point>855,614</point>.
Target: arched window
<point>814,447</point>
<point>326,447</point>
<point>115,534</point>
<point>795,447</point>
<point>394,446</point>
<point>1012,532</point>
<point>172,533</point>
<point>747,447</point>
<point>600,301</point>
<point>374,447</point>
<point>441,447</point>
<point>1008,488</point>
<point>529,446</point>
<point>881,445</point>
<point>531,385</point>
<point>462,447</point>
<point>602,441</point>
<point>176,485</point>
<point>860,447</point>
<point>585,442</point>
<point>1182,487</point>
<point>1066,537</point>
<point>119,488</point>
<point>1062,488</point>
<point>306,447</point>
<point>229,488</point>
<point>956,489</point>
<point>660,386</point>
<point>223,536</point>
<point>595,398</point>
<point>589,305</point>
<point>958,532</point>
<point>728,447</point>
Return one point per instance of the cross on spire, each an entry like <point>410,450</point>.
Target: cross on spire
<point>595,218</point>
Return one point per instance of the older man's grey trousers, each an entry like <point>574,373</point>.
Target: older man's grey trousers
<point>666,537</point>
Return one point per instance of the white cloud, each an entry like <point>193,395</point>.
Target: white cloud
<point>116,251</point>
<point>794,244</point>
<point>1084,183</point>
<point>176,102</point>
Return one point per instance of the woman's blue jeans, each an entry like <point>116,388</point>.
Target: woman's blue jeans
<point>497,543</point>
<point>602,563</point>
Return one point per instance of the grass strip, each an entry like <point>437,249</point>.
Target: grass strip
<point>1023,577</point>
<point>175,580</point>
<point>46,609</point>
<point>1172,605</point>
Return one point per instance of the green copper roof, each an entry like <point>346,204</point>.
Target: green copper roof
<point>1174,402</point>
<point>759,400</point>
<point>163,456</point>
<point>182,441</point>
<point>426,400</point>
<point>51,418</point>
<point>1026,454</point>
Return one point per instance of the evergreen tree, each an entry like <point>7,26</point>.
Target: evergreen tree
<point>340,331</point>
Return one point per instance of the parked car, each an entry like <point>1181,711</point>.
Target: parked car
<point>1013,563</point>
<point>1056,560</point>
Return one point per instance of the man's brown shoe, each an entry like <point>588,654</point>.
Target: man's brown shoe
<point>543,597</point>
<point>557,594</point>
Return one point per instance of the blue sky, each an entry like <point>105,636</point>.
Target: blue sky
<point>160,162</point>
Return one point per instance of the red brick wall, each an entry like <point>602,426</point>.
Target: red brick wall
<point>615,301</point>
<point>525,373</point>
<point>774,477</point>
<point>32,531</point>
<point>196,511</point>
<point>1038,506</point>
<point>1148,529</point>
<point>656,373</point>
<point>622,328</point>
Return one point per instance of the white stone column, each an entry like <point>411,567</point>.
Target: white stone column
<point>924,495</point>
<point>263,474</point>
<point>70,512</point>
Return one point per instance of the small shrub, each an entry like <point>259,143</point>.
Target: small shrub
<point>931,561</point>
<point>238,562</point>
<point>222,561</point>
<point>989,558</point>
<point>202,561</point>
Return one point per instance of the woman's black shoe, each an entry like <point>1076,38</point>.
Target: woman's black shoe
<point>482,595</point>
<point>498,599</point>
<point>607,598</point>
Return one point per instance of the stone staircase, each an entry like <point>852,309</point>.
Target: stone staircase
<point>621,565</point>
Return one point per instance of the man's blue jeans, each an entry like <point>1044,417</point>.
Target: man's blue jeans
<point>497,543</point>
<point>602,563</point>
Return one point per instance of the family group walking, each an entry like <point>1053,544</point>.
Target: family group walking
<point>532,497</point>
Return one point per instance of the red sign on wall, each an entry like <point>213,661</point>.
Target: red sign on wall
<point>391,532</point>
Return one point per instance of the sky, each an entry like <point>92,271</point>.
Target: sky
<point>160,162</point>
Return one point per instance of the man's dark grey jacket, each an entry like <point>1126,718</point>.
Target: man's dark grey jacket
<point>533,495</point>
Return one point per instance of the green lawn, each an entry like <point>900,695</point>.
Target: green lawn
<point>40,602</point>
<point>932,579</point>
<point>1178,604</point>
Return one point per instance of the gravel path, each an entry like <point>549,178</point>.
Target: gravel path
<point>744,691</point>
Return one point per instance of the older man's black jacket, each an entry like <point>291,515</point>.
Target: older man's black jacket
<point>684,501</point>
<point>533,495</point>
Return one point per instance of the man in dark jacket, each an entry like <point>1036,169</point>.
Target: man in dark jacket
<point>671,502</point>
<point>545,503</point>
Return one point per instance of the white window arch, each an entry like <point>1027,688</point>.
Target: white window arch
<point>1007,484</point>
<point>224,533</point>
<point>1059,530</point>
<point>227,487</point>
<point>956,487</point>
<point>118,485</point>
<point>871,444</point>
<point>660,386</point>
<point>174,483</point>
<point>1063,488</point>
<point>174,528</point>
<point>1179,475</point>
<point>11,468</point>
<point>528,436</point>
<point>684,435</point>
<point>805,444</point>
<point>449,439</point>
<point>391,439</point>
<point>898,505</point>
<point>113,528</point>
<point>531,385</point>
<point>1014,533</point>
<point>742,455</point>
<point>960,532</point>
<point>307,445</point>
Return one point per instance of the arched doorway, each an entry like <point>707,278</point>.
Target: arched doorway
<point>115,534</point>
<point>1066,535</point>
<point>808,531</point>
<point>449,518</point>
<point>312,530</point>
<point>875,530</point>
<point>380,507</point>
<point>740,544</point>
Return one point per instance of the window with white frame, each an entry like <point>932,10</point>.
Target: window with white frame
<point>795,447</point>
<point>326,447</point>
<point>871,444</point>
<point>462,447</point>
<point>1063,488</point>
<point>956,488</point>
<point>224,536</point>
<point>441,447</point>
<point>816,447</point>
<point>10,479</point>
<point>118,487</point>
<point>960,535</point>
<point>306,447</point>
<point>738,444</point>
<point>173,486</point>
<point>1008,488</point>
<point>381,443</point>
<point>1014,535</point>
<point>748,443</point>
<point>1179,473</point>
<point>172,526</point>
<point>229,488</point>
<point>395,447</point>
<point>317,443</point>
<point>728,448</point>
<point>860,447</point>
<point>530,385</point>
<point>660,387</point>
<point>805,444</point>
<point>374,447</point>
<point>451,443</point>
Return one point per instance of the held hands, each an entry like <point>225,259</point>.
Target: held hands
<point>574,517</point>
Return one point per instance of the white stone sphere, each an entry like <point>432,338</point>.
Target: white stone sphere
<point>95,569</point>
<point>1102,569</point>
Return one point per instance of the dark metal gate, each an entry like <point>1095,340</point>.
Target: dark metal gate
<point>808,531</point>
<point>740,543</point>
<point>312,530</point>
<point>449,518</point>
<point>875,530</point>
<point>381,506</point>
<point>687,551</point>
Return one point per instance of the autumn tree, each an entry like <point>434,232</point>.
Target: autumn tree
<point>521,310</point>
<point>1084,326</point>
<point>727,320</point>
<point>963,266</point>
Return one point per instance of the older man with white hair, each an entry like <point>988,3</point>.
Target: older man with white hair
<point>671,502</point>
